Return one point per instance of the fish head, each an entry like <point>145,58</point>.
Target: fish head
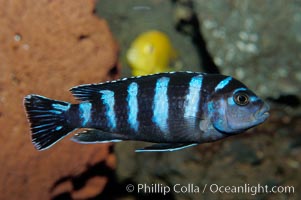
<point>237,110</point>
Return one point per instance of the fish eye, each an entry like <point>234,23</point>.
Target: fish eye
<point>241,99</point>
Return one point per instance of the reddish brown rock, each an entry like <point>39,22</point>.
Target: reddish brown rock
<point>46,47</point>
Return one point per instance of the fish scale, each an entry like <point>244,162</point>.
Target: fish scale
<point>147,127</point>
<point>175,110</point>
<point>132,106</point>
<point>145,105</point>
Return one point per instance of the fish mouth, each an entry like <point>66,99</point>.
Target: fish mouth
<point>263,113</point>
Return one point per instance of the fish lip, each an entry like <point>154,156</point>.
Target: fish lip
<point>263,113</point>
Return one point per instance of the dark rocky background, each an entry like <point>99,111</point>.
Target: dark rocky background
<point>258,42</point>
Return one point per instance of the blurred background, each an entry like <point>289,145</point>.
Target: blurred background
<point>47,47</point>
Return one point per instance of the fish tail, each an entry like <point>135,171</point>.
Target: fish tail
<point>47,119</point>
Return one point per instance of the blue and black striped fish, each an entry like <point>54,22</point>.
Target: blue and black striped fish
<point>174,110</point>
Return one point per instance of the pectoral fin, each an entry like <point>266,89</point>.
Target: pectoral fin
<point>96,136</point>
<point>165,147</point>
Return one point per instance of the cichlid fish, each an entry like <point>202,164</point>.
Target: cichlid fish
<point>175,110</point>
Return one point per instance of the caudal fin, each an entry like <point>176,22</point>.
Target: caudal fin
<point>47,119</point>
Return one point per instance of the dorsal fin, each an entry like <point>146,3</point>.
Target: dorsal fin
<point>91,92</point>
<point>87,92</point>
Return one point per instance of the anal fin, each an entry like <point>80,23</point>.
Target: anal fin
<point>96,136</point>
<point>162,147</point>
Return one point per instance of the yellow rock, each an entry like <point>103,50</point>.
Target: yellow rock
<point>151,52</point>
